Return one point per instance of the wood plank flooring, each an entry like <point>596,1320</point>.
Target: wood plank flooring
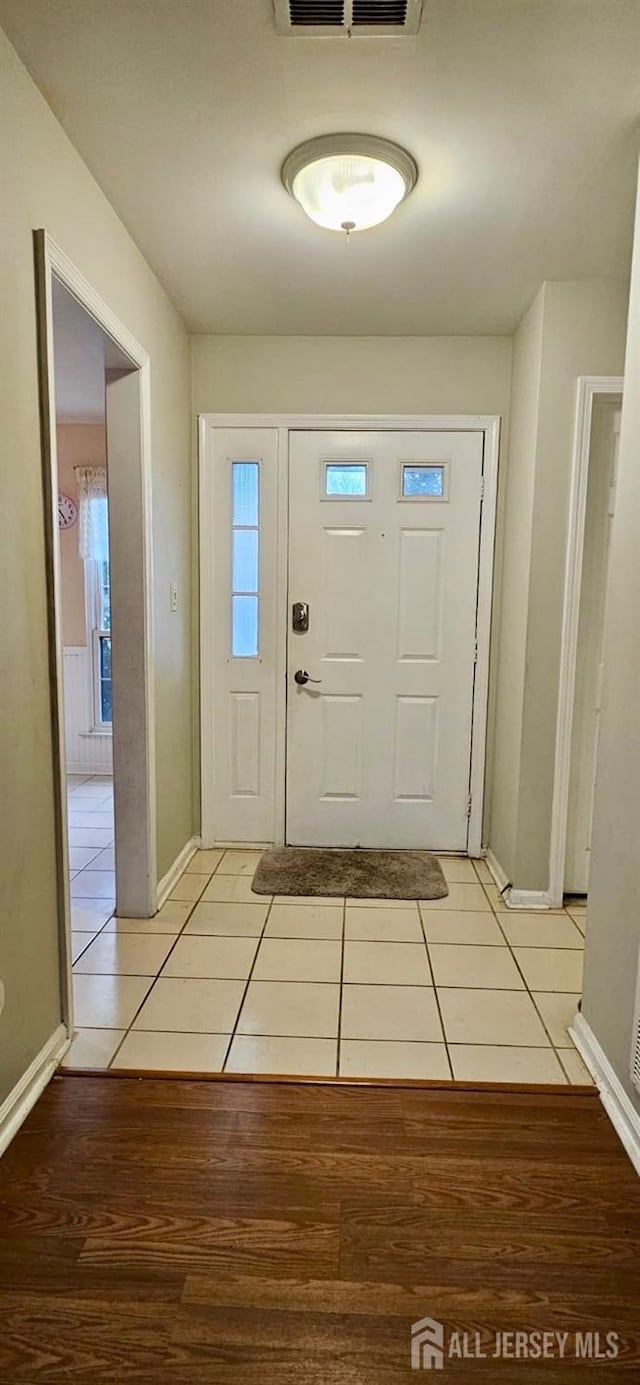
<point>171,1232</point>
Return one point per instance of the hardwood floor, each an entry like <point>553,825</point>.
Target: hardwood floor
<point>172,1232</point>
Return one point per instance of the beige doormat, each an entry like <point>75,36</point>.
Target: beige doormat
<point>305,870</point>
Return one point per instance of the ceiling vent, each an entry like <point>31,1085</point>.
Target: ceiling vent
<point>347,18</point>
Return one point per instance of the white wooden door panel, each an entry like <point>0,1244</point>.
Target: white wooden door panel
<point>243,712</point>
<point>378,753</point>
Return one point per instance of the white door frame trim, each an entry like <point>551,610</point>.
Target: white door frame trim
<point>50,262</point>
<point>588,388</point>
<point>489,425</point>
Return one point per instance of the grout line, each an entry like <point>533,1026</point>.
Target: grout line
<point>155,978</point>
<point>234,1027</point>
<point>437,997</point>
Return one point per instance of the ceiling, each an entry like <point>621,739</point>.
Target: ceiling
<point>523,116</point>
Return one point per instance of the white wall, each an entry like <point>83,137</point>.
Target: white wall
<point>583,325</point>
<point>45,184</point>
<point>437,375</point>
<point>613,917</point>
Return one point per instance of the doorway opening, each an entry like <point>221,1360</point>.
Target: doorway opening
<point>599,402</point>
<point>94,382</point>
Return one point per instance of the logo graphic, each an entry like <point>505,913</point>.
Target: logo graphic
<point>427,1345</point>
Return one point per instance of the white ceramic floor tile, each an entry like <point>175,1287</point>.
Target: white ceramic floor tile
<point>383,925</point>
<point>298,959</point>
<point>483,873</point>
<point>175,911</point>
<point>296,1008</point>
<point>464,896</point>
<point>230,958</point>
<point>192,1006</point>
<point>558,1010</point>
<point>125,954</point>
<point>91,821</point>
<point>81,856</point>
<point>94,884</point>
<point>377,1058</point>
<point>233,889</point>
<point>390,1012</point>
<point>239,863</point>
<point>382,903</point>
<point>73,780</point>
<point>93,1048</point>
<point>105,859</point>
<point>390,964</point>
<point>550,969</point>
<point>80,941</point>
<point>188,889</point>
<point>458,870</point>
<point>486,1063</point>
<point>146,927</point>
<point>460,964</point>
<point>232,920</point>
<point>541,930</point>
<point>205,862</point>
<point>580,920</point>
<point>164,1052</point>
<point>491,1017</point>
<point>107,1002</point>
<point>88,915</point>
<point>577,1073</point>
<point>462,926</point>
<point>268,1054</point>
<point>307,921</point>
<point>96,837</point>
<point>295,900</point>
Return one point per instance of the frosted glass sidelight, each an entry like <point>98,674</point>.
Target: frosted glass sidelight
<point>245,487</point>
<point>244,627</point>
<point>245,560</point>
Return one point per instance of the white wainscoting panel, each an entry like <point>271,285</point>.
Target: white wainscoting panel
<point>86,753</point>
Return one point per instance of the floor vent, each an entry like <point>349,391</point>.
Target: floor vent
<point>635,1038</point>
<point>347,18</point>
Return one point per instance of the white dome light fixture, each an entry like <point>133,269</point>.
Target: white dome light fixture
<point>349,182</point>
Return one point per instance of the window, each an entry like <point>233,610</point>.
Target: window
<point>423,481</point>
<point>245,559</point>
<point>99,618</point>
<point>346,481</point>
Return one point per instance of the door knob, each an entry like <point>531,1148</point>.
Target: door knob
<point>301,677</point>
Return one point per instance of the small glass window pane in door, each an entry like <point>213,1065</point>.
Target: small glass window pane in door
<point>345,479</point>
<point>245,560</point>
<point>423,482</point>
<point>245,493</point>
<point>244,626</point>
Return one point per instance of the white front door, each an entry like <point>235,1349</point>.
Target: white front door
<point>383,549</point>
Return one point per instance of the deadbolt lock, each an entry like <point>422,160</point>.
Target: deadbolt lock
<point>300,617</point>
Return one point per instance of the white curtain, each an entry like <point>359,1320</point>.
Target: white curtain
<point>93,513</point>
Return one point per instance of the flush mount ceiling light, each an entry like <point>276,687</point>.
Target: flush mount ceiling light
<point>349,182</point>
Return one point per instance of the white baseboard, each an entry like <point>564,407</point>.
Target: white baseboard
<point>527,899</point>
<point>172,876</point>
<point>16,1107</point>
<point>515,899</point>
<point>620,1110</point>
<point>499,877</point>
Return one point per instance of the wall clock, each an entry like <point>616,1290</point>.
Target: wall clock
<point>67,511</point>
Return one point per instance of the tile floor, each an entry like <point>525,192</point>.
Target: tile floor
<point>224,980</point>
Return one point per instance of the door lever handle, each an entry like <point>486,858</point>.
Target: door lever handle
<point>301,677</point>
